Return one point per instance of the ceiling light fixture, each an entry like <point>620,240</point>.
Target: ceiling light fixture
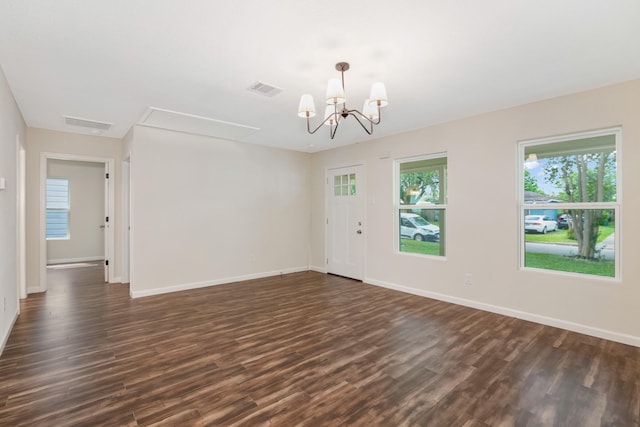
<point>337,109</point>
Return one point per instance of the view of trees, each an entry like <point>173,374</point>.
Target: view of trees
<point>583,178</point>
<point>531,183</point>
<point>415,185</point>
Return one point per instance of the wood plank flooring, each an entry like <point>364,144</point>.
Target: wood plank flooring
<point>300,349</point>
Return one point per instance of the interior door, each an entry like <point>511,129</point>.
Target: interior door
<point>345,222</point>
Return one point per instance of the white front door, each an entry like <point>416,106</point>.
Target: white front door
<point>345,221</point>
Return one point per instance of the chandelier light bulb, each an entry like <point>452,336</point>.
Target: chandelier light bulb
<point>307,107</point>
<point>330,113</point>
<point>370,110</point>
<point>379,94</point>
<point>335,92</point>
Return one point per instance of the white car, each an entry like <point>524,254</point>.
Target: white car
<point>415,227</point>
<point>539,224</point>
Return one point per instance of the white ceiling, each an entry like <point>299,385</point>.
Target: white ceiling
<point>113,60</point>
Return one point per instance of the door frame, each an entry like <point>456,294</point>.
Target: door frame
<point>21,230</point>
<point>328,193</point>
<point>126,221</point>
<point>110,231</point>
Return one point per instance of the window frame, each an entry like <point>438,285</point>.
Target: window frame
<point>67,209</point>
<point>616,206</point>
<point>398,207</point>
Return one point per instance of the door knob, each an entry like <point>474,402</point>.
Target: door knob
<point>359,231</point>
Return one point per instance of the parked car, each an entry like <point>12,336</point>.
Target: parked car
<point>415,227</point>
<point>539,224</point>
<point>564,221</point>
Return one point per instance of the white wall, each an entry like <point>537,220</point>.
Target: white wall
<point>86,190</point>
<point>46,141</point>
<point>207,211</point>
<point>482,216</point>
<point>12,129</point>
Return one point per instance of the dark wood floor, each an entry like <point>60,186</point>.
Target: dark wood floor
<point>301,349</point>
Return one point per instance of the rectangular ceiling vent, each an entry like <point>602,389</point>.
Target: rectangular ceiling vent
<point>264,89</point>
<point>75,121</point>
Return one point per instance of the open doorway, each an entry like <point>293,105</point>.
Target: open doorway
<point>77,204</point>
<point>68,278</point>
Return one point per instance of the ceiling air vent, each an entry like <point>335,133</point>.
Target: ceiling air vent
<point>264,89</point>
<point>75,121</point>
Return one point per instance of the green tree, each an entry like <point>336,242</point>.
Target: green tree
<point>415,185</point>
<point>531,183</point>
<point>584,178</point>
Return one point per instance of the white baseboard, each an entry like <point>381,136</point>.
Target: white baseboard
<point>7,332</point>
<point>115,279</point>
<point>536,318</point>
<point>72,260</point>
<point>318,269</point>
<point>196,285</point>
<point>34,290</point>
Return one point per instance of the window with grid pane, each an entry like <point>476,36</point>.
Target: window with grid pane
<point>570,203</point>
<point>57,208</point>
<point>344,185</point>
<point>421,204</point>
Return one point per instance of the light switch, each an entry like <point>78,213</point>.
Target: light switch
<point>3,183</point>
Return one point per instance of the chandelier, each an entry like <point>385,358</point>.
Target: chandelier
<point>336,108</point>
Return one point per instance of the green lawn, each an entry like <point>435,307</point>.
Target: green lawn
<point>569,264</point>
<point>560,236</point>
<point>537,260</point>
<point>416,247</point>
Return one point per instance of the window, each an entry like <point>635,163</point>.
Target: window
<point>344,185</point>
<point>421,203</point>
<point>570,203</point>
<point>57,205</point>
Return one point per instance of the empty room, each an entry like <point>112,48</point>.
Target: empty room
<point>309,214</point>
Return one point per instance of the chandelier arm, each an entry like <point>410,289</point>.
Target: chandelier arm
<point>373,122</point>
<point>319,126</point>
<point>332,131</point>
<point>362,124</point>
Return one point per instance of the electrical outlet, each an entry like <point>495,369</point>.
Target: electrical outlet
<point>467,279</point>
<point>4,304</point>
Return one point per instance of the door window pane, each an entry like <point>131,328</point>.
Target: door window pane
<point>344,185</point>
